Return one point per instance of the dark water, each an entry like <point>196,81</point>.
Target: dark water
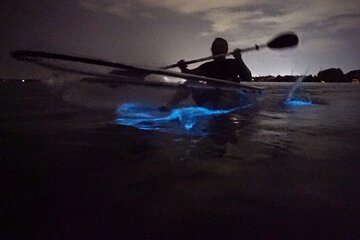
<point>69,172</point>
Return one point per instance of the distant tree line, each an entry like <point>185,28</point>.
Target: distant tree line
<point>327,75</point>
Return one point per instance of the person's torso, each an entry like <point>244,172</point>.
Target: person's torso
<point>226,69</point>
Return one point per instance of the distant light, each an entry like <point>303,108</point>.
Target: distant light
<point>23,80</point>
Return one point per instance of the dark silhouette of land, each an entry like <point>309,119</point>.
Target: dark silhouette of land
<point>328,75</point>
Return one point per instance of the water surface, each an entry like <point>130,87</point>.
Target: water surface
<point>68,171</point>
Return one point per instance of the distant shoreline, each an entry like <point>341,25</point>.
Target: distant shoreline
<point>331,75</point>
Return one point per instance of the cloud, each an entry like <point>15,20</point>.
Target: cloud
<point>226,20</point>
<point>256,17</point>
<point>230,15</point>
<point>123,8</point>
<point>198,6</point>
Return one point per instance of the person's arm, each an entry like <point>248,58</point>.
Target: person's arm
<point>244,71</point>
<point>183,67</point>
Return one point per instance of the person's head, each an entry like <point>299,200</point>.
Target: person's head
<point>219,46</point>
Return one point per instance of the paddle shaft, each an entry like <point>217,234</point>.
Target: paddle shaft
<point>283,40</point>
<point>256,47</point>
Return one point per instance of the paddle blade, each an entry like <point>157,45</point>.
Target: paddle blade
<point>284,40</point>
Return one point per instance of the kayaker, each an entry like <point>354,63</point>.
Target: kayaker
<point>232,70</point>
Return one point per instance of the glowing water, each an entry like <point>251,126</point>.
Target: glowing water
<point>297,103</point>
<point>295,98</point>
<point>147,117</point>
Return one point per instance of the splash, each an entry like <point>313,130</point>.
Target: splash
<point>297,98</point>
<point>180,120</point>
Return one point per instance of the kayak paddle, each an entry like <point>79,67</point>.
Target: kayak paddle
<point>283,40</point>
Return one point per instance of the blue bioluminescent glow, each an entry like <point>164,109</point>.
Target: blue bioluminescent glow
<point>297,103</point>
<point>147,117</point>
<point>296,97</point>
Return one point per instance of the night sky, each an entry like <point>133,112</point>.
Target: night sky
<point>161,32</point>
